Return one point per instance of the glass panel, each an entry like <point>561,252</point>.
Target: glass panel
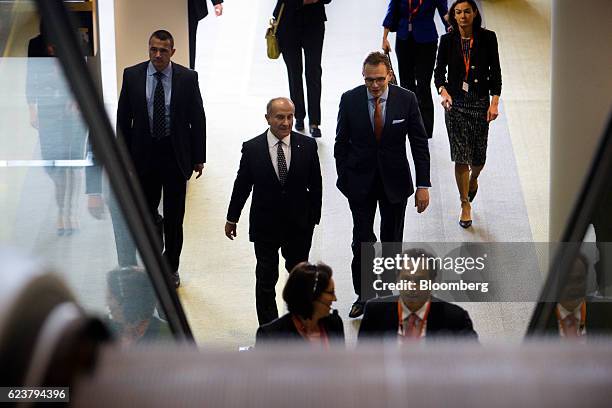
<point>57,204</point>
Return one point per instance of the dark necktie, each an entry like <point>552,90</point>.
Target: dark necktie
<point>378,119</point>
<point>159,108</point>
<point>282,163</point>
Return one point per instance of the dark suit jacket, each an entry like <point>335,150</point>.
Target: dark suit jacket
<point>296,16</point>
<point>188,122</point>
<point>284,329</point>
<point>380,319</point>
<point>278,210</point>
<point>359,156</point>
<point>198,9</point>
<point>485,77</point>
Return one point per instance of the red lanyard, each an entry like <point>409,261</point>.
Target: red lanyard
<point>466,58</point>
<point>412,12</point>
<point>582,322</point>
<point>400,322</point>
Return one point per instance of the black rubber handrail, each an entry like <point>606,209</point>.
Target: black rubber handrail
<point>597,182</point>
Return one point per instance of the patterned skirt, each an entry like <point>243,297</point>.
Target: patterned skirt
<point>468,129</point>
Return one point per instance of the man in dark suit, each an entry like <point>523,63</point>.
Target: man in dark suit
<point>577,316</point>
<point>196,11</point>
<point>414,314</point>
<point>372,164</point>
<point>282,168</point>
<point>302,27</point>
<point>161,118</point>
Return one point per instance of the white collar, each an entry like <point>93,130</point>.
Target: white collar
<point>273,140</point>
<point>420,313</point>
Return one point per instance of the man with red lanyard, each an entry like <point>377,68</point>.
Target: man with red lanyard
<point>416,44</point>
<point>414,314</point>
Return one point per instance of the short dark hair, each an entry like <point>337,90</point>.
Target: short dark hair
<point>305,284</point>
<point>377,58</point>
<point>164,36</point>
<point>131,288</point>
<point>432,271</point>
<point>477,24</point>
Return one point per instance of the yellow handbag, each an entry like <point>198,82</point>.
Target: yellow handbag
<point>271,40</point>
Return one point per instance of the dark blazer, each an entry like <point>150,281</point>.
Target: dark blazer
<point>380,319</point>
<point>423,26</point>
<point>297,15</point>
<point>198,9</point>
<point>284,329</point>
<point>188,122</point>
<point>278,210</point>
<point>359,156</point>
<point>485,72</point>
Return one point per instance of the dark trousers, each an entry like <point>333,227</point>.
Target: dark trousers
<point>310,39</point>
<point>415,65</point>
<point>295,249</point>
<point>193,28</point>
<point>391,235</point>
<point>166,177</point>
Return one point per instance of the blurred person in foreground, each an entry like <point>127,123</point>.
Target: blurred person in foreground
<point>415,314</point>
<point>131,302</point>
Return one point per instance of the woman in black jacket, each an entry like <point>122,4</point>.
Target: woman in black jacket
<point>309,293</point>
<point>302,26</point>
<point>471,56</point>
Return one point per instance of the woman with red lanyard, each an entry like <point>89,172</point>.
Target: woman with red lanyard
<point>309,294</point>
<point>474,76</point>
<point>416,43</point>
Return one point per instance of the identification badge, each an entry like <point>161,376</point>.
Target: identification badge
<point>465,87</point>
<point>409,26</point>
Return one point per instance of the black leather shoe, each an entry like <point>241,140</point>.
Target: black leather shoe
<point>357,309</point>
<point>177,279</point>
<point>299,124</point>
<point>315,132</point>
<point>465,224</point>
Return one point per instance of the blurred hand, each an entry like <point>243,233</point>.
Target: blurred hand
<point>198,168</point>
<point>218,9</point>
<point>95,206</point>
<point>421,199</point>
<point>230,230</point>
<point>34,116</point>
<point>386,46</point>
<point>492,113</point>
<point>447,100</point>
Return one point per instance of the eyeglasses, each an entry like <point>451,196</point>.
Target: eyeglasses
<point>379,80</point>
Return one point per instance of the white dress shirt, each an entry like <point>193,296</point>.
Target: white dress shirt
<point>563,313</point>
<point>273,149</point>
<point>420,313</point>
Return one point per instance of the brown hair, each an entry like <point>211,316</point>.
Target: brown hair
<point>377,58</point>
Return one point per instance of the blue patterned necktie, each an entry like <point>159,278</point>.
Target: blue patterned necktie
<point>159,108</point>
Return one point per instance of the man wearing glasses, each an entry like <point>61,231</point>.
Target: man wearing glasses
<point>373,122</point>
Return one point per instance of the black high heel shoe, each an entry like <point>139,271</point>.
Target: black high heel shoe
<point>465,223</point>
